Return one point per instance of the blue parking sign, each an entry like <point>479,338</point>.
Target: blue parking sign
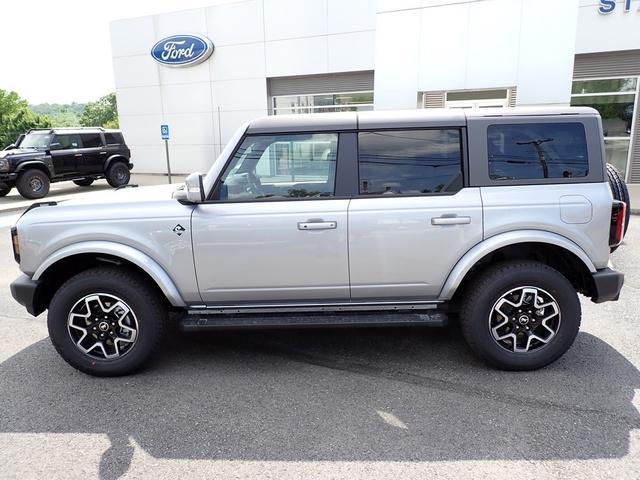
<point>164,131</point>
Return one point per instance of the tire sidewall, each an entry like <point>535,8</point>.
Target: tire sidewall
<point>548,280</point>
<point>111,174</point>
<point>23,184</point>
<point>61,306</point>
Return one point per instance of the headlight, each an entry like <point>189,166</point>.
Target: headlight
<point>4,164</point>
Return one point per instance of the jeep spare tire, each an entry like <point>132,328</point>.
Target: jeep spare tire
<point>33,184</point>
<point>118,174</point>
<point>620,191</point>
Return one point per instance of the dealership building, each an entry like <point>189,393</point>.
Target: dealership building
<point>206,71</point>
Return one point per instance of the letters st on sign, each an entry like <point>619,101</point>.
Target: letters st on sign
<point>182,50</point>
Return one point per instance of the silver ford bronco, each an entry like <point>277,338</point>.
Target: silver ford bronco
<point>493,218</point>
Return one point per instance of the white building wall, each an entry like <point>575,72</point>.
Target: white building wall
<point>254,40</point>
<point>430,45</point>
<point>617,30</point>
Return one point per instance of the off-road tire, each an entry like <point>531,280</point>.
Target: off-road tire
<point>33,184</point>
<point>147,305</point>
<point>480,297</point>
<point>620,192</point>
<point>118,174</point>
<point>84,182</point>
<point>5,191</point>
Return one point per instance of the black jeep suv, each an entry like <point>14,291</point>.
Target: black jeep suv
<point>42,156</point>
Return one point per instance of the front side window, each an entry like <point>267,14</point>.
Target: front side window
<point>537,150</point>
<point>35,140</point>
<point>91,140</point>
<point>410,162</point>
<point>269,167</point>
<point>65,142</point>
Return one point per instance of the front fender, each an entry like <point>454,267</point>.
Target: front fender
<point>138,258</point>
<point>41,164</point>
<point>502,240</point>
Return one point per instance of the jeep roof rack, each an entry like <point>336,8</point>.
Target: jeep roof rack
<point>54,129</point>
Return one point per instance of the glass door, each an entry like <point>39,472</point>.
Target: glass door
<point>616,100</point>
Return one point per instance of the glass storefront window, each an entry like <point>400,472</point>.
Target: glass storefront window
<point>327,102</point>
<point>615,99</point>
<point>616,112</point>
<point>605,86</point>
<point>617,152</point>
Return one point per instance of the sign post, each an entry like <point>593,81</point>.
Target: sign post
<point>164,133</point>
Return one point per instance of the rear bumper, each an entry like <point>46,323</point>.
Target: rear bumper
<point>26,292</point>
<point>607,283</point>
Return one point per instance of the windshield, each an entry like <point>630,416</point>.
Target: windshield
<point>36,140</point>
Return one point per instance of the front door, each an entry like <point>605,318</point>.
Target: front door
<point>274,232</point>
<point>66,153</point>
<point>412,220</point>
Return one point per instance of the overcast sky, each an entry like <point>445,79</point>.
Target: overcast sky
<point>60,51</point>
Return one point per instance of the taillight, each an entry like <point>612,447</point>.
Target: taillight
<point>618,216</point>
<point>16,244</point>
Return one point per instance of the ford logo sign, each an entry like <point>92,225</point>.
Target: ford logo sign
<point>182,50</point>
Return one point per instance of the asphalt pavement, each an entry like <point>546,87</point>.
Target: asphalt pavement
<point>390,403</point>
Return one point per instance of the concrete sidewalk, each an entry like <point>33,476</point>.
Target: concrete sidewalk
<point>62,191</point>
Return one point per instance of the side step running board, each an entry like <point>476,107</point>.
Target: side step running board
<point>200,322</point>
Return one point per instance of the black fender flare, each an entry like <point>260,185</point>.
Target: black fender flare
<point>45,165</point>
<point>115,158</point>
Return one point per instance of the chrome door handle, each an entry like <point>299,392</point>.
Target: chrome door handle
<point>78,155</point>
<point>103,153</point>
<point>317,225</point>
<point>450,220</point>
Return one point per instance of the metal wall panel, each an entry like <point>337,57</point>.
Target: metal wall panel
<point>314,84</point>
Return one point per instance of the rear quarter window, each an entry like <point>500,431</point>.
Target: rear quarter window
<point>112,138</point>
<point>537,151</point>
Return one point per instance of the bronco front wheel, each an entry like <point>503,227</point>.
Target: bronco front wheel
<point>106,321</point>
<point>520,315</point>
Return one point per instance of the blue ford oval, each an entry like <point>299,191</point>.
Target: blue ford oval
<point>182,50</point>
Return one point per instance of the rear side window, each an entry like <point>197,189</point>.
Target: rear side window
<point>410,162</point>
<point>91,140</point>
<point>537,150</point>
<point>113,138</point>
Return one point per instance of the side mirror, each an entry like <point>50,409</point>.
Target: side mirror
<point>193,191</point>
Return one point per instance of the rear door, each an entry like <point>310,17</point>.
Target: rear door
<point>412,220</point>
<point>66,153</point>
<point>93,153</point>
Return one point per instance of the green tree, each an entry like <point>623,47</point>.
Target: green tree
<point>17,118</point>
<point>101,113</point>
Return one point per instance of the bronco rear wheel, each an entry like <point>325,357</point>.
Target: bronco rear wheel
<point>520,315</point>
<point>118,174</point>
<point>106,321</point>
